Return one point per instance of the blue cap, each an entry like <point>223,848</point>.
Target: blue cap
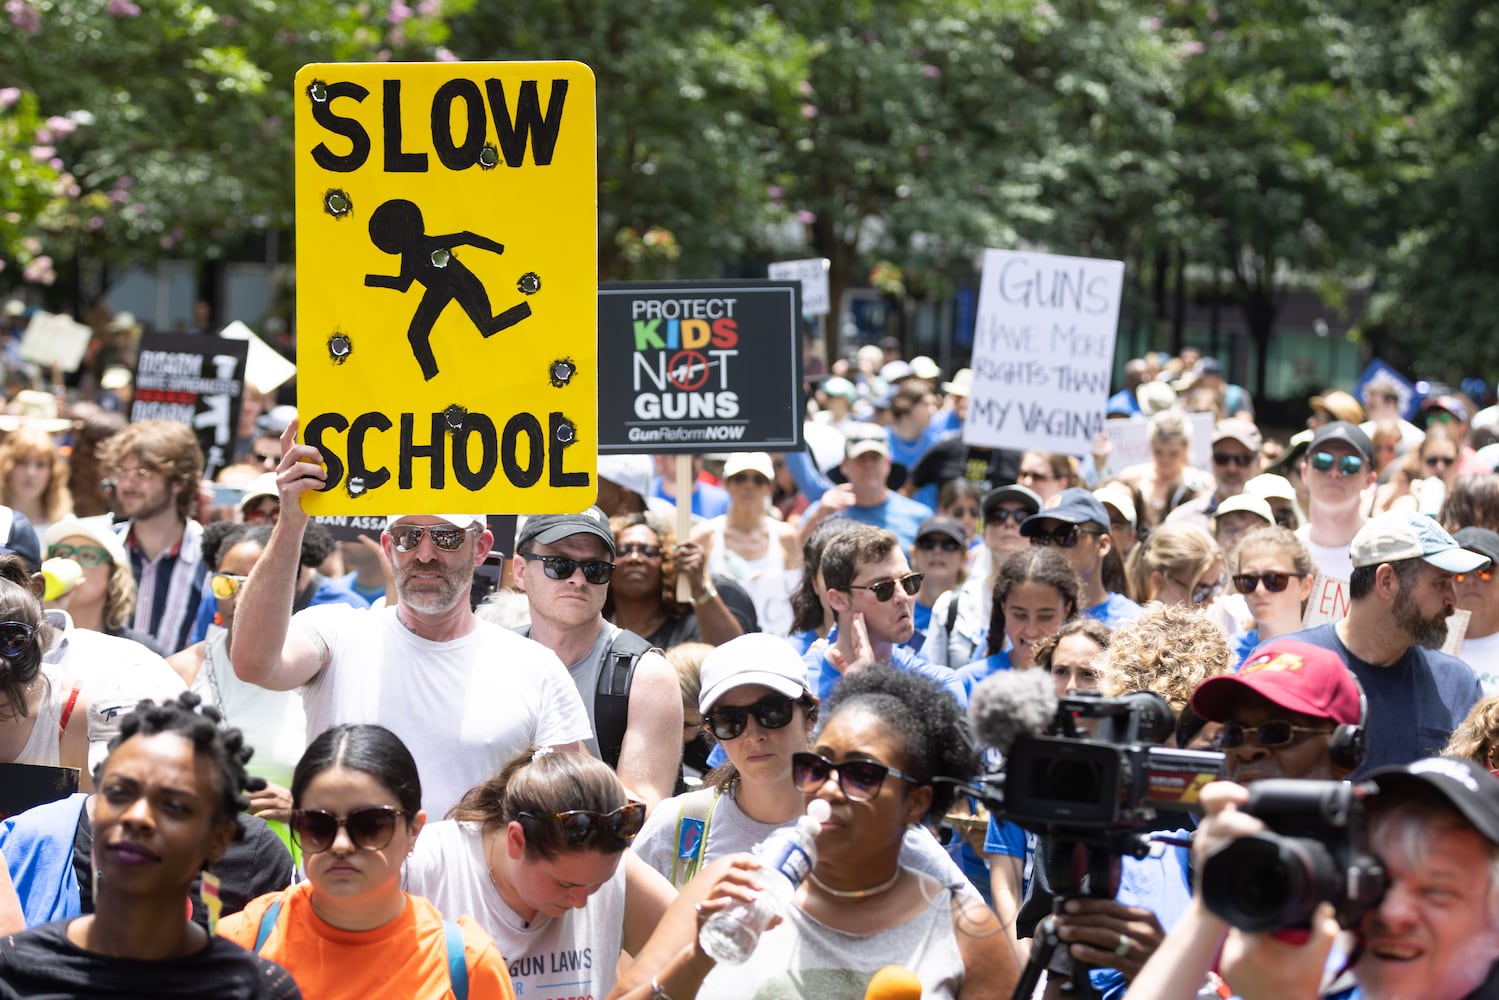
<point>1074,505</point>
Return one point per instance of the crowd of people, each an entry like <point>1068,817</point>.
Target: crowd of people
<point>336,767</point>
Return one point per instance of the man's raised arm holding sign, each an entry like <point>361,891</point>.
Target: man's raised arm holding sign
<point>464,695</point>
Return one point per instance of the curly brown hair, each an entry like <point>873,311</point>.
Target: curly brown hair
<point>1170,649</point>
<point>1477,736</point>
<point>666,540</point>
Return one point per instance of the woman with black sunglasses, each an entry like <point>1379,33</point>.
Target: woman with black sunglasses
<point>43,715</point>
<point>350,930</point>
<point>537,854</point>
<point>1274,573</point>
<point>878,761</point>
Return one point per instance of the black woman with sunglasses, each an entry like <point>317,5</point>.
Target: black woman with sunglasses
<point>538,855</point>
<point>350,930</point>
<point>643,589</point>
<point>878,762</point>
<point>755,703</point>
<point>1274,574</point>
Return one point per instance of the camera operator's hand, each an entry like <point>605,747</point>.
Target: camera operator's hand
<point>1222,820</point>
<point>1265,967</point>
<point>1109,934</point>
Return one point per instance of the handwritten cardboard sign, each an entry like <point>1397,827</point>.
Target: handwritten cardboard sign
<point>447,285</point>
<point>1043,351</point>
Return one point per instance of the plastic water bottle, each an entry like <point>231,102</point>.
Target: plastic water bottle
<point>731,934</point>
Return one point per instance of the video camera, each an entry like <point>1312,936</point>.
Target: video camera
<point>1315,851</point>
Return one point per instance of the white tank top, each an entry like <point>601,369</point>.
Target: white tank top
<point>769,584</point>
<point>44,746</point>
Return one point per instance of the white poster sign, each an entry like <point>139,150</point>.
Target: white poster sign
<point>1130,438</point>
<point>55,340</point>
<point>1043,351</point>
<point>813,274</point>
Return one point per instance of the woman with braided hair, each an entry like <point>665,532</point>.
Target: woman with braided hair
<point>169,791</point>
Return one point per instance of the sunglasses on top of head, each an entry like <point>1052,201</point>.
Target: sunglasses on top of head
<point>14,638</point>
<point>883,590</point>
<point>727,722</point>
<point>584,826</point>
<point>447,537</point>
<point>370,828</point>
<point>595,571</point>
<point>1323,461</point>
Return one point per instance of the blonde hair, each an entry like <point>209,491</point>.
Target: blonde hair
<point>1170,649</point>
<point>1176,551</point>
<point>1168,426</point>
<point>1478,734</point>
<point>29,442</point>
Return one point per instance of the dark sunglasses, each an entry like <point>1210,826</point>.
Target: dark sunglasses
<point>445,536</point>
<point>595,571</point>
<point>1285,517</point>
<point>965,512</point>
<point>640,549</point>
<point>14,638</point>
<point>582,826</point>
<point>1485,575</point>
<point>264,457</point>
<point>885,589</point>
<point>1242,461</point>
<point>726,722</point>
<point>370,828</point>
<point>860,780</point>
<point>1040,477</point>
<point>999,515</point>
<point>1441,461</point>
<point>753,478</point>
<point>1323,461</point>
<point>1276,732</point>
<point>1274,582</point>
<point>943,542</point>
<point>1202,592</point>
<point>1062,538</point>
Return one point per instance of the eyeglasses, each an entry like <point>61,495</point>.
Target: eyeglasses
<point>1323,461</point>
<point>965,512</point>
<point>225,585</point>
<point>726,722</point>
<point>1485,575</point>
<point>140,474</point>
<point>640,549</point>
<point>885,589</point>
<point>370,828</point>
<point>446,537</point>
<point>595,571</point>
<point>14,638</point>
<point>1274,583</point>
<point>1062,538</point>
<point>1202,592</point>
<point>1439,461</point>
<point>943,542</point>
<point>84,555</point>
<point>1040,477</point>
<point>753,478</point>
<point>1276,732</point>
<point>581,826</point>
<point>1000,515</point>
<point>1223,458</point>
<point>860,780</point>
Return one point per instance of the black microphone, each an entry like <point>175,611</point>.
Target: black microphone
<point>1010,704</point>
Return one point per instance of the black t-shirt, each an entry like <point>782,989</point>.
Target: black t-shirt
<point>42,964</point>
<point>951,459</point>
<point>256,863</point>
<point>674,632</point>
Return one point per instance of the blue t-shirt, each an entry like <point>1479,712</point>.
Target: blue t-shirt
<point>897,514</point>
<point>1124,401</point>
<point>1161,885</point>
<point>921,615</point>
<point>822,678</point>
<point>1115,610</point>
<point>908,451</point>
<point>1414,703</point>
<point>970,675</point>
<point>1241,645</point>
<point>330,590</point>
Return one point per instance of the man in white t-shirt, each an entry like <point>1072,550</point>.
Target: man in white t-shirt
<point>462,694</point>
<point>1478,594</point>
<point>1337,467</point>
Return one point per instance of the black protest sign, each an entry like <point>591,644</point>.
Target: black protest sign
<point>195,380</point>
<point>693,367</point>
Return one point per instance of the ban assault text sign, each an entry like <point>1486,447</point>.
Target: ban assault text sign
<point>700,367</point>
<point>447,285</point>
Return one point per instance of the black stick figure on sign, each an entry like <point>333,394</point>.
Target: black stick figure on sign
<point>396,227</point>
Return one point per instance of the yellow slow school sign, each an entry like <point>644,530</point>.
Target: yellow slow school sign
<point>447,286</point>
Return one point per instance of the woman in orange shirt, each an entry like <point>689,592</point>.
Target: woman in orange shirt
<point>350,931</point>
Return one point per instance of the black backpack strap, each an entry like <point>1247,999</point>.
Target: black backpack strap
<point>611,699</point>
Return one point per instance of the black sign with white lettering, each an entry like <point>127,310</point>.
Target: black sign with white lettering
<point>195,380</point>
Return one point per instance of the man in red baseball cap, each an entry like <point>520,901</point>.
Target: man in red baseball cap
<point>1294,710</point>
